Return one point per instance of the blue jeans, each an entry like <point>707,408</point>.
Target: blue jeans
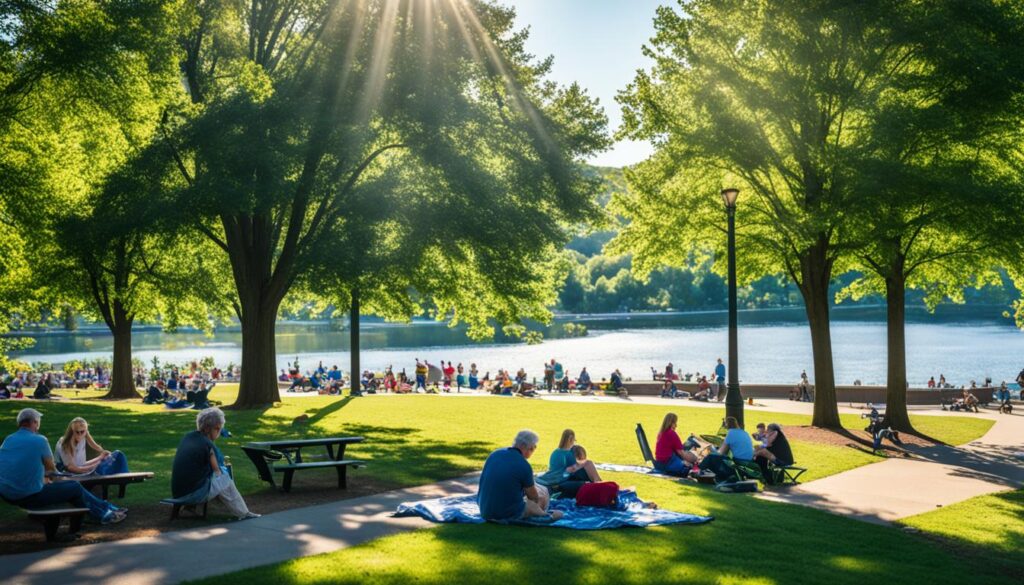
<point>674,466</point>
<point>115,463</point>
<point>67,492</point>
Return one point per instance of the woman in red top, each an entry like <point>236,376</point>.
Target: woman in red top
<point>669,455</point>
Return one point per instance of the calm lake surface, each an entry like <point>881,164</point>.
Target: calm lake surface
<point>964,344</point>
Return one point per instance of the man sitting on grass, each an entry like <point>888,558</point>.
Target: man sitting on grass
<point>25,459</point>
<point>507,490</point>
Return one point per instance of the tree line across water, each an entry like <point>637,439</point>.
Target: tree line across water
<point>191,162</point>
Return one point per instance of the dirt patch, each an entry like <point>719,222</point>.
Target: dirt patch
<point>24,535</point>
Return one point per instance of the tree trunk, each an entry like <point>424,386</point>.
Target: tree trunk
<point>258,387</point>
<point>816,272</point>
<point>122,379</point>
<point>355,375</point>
<point>896,382</point>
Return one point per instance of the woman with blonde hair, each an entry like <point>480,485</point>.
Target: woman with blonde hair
<point>669,455</point>
<point>565,472</point>
<point>70,454</point>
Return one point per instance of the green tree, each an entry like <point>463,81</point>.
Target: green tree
<point>935,202</point>
<point>44,45</point>
<point>782,100</point>
<point>938,228</point>
<point>125,260</point>
<point>296,107</point>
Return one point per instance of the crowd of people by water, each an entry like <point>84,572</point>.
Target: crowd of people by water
<point>447,377</point>
<point>187,386</point>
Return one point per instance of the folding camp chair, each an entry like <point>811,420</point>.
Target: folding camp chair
<point>645,447</point>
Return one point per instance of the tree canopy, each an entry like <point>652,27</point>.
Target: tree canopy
<point>299,109</point>
<point>791,102</point>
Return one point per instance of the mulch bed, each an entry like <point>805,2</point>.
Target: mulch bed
<point>858,439</point>
<point>24,535</point>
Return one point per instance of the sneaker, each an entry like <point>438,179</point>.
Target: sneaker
<point>113,517</point>
<point>250,515</point>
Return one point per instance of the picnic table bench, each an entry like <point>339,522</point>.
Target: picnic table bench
<point>265,455</point>
<point>104,482</point>
<point>51,517</point>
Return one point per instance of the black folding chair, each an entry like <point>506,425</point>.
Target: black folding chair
<point>645,447</point>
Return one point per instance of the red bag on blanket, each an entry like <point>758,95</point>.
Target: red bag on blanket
<point>603,493</point>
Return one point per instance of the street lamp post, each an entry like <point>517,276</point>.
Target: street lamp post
<point>733,398</point>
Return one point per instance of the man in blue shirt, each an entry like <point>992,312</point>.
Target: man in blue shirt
<point>25,458</point>
<point>507,490</point>
<point>334,380</point>
<point>720,378</point>
<point>736,443</point>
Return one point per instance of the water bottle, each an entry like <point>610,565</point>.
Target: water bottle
<point>227,465</point>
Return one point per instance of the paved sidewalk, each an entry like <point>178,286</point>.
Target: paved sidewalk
<point>173,557</point>
<point>934,477</point>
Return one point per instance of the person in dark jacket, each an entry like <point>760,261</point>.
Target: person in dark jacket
<point>775,449</point>
<point>42,391</point>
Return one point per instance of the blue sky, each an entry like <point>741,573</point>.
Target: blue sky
<point>597,44</point>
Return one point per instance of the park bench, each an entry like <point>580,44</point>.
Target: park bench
<point>177,503</point>
<point>51,519</point>
<point>121,480</point>
<point>267,455</point>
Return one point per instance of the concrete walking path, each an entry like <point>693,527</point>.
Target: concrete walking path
<point>196,553</point>
<point>934,477</point>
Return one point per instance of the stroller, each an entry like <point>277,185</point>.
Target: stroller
<point>879,430</point>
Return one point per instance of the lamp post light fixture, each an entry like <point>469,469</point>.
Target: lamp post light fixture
<point>733,398</point>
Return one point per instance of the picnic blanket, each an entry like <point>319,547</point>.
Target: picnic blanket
<point>634,469</point>
<point>629,512</point>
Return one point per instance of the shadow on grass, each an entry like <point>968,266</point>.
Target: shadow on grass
<point>786,545</point>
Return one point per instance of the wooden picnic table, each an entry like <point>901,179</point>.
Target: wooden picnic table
<point>264,454</point>
<point>294,446</point>
<point>121,480</point>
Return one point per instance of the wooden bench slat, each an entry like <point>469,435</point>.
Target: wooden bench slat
<point>56,511</point>
<point>316,464</point>
<point>51,517</point>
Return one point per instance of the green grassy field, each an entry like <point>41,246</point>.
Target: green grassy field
<point>987,525</point>
<point>419,439</point>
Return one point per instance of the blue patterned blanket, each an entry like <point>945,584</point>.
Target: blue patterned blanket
<point>630,511</point>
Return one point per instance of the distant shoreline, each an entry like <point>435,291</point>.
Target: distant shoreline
<point>992,313</point>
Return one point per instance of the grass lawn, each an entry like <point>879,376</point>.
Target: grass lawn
<point>992,524</point>
<point>418,439</point>
<point>750,542</point>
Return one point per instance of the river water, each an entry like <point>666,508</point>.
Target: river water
<point>774,346</point>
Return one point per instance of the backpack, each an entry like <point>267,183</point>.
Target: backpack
<point>602,494</point>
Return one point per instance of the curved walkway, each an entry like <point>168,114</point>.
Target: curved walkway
<point>933,477</point>
<point>195,553</point>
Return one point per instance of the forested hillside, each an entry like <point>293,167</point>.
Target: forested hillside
<point>599,283</point>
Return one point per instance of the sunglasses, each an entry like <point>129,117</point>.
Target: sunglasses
<point>81,432</point>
